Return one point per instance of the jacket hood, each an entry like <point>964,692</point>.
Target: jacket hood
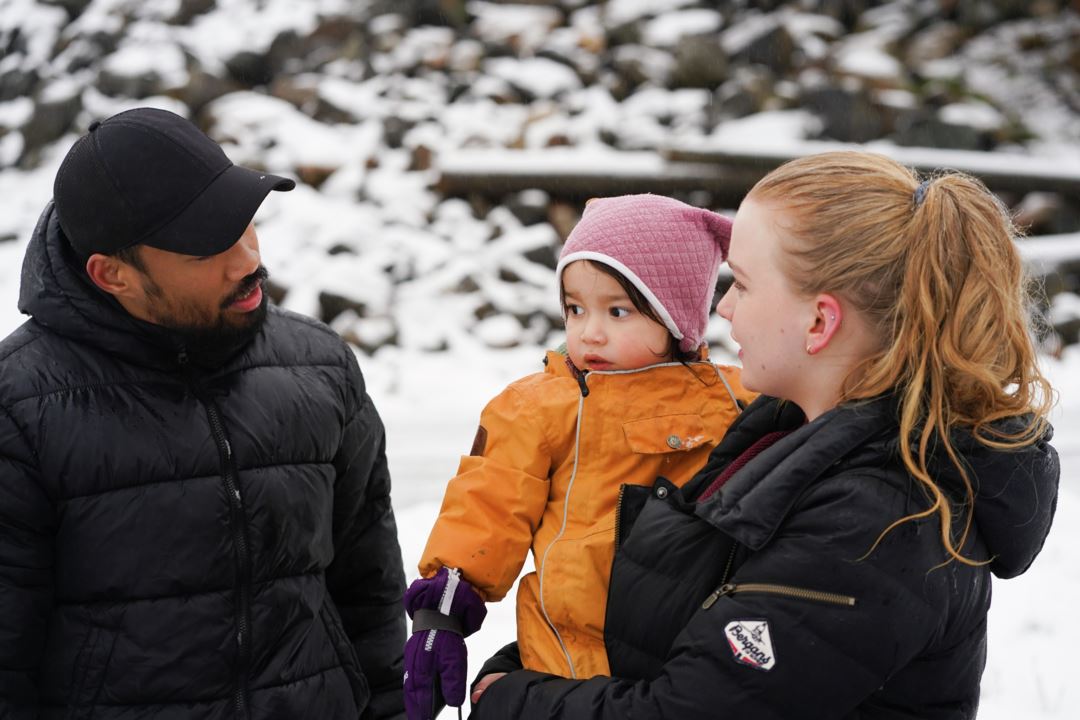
<point>56,291</point>
<point>1015,495</point>
<point>1015,490</point>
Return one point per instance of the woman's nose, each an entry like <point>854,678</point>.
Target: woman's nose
<point>726,305</point>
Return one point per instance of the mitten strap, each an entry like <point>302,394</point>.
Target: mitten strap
<point>435,620</point>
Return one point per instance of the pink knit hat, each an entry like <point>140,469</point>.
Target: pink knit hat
<point>669,250</point>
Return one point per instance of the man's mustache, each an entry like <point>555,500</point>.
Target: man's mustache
<point>247,285</point>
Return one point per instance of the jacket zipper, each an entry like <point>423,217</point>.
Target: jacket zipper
<point>727,567</point>
<point>243,553</point>
<point>774,589</point>
<point>542,565</point>
<point>618,517</point>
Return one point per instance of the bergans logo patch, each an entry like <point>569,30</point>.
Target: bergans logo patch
<point>751,643</point>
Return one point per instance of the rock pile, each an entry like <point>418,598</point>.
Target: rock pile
<point>357,99</point>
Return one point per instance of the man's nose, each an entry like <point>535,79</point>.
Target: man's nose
<point>243,257</point>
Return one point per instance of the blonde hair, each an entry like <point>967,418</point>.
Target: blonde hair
<point>933,269</point>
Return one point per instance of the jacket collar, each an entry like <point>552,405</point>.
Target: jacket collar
<point>1015,490</point>
<point>756,500</point>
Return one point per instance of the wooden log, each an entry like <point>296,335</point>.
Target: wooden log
<point>579,174</point>
<point>727,172</point>
<point>1002,172</point>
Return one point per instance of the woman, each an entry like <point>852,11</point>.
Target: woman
<point>833,558</point>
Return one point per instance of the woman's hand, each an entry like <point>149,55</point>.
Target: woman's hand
<point>483,685</point>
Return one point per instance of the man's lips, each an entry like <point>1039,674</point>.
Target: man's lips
<point>250,301</point>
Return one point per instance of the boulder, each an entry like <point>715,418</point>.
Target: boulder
<point>55,109</point>
<point>17,82</point>
<point>700,62</point>
<point>760,40</point>
<point>74,8</point>
<point>637,64</point>
<point>921,129</point>
<point>188,10</point>
<point>846,115</point>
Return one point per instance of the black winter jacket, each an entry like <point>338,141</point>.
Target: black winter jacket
<point>183,542</point>
<point>762,602</point>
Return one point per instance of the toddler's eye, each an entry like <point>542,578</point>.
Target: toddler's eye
<point>572,309</point>
<point>738,286</point>
<point>618,312</point>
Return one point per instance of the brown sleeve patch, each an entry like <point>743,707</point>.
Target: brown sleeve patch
<point>479,442</point>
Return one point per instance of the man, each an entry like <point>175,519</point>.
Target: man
<point>195,515</point>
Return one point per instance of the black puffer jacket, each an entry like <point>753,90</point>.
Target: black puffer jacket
<point>709,609</point>
<point>182,542</point>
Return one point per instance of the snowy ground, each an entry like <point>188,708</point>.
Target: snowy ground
<point>430,404</point>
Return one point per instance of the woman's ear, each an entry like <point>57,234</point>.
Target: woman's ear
<point>826,322</point>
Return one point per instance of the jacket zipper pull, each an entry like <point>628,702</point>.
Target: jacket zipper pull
<point>582,384</point>
<point>725,589</point>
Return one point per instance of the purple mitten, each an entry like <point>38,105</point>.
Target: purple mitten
<point>445,610</point>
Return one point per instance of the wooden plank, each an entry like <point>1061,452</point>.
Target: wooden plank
<point>1008,172</point>
<point>727,172</point>
<point>583,173</point>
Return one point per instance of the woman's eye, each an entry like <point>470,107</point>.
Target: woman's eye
<point>618,312</point>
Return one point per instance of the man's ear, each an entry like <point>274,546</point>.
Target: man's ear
<point>112,275</point>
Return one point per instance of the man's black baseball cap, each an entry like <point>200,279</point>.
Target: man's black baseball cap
<point>148,176</point>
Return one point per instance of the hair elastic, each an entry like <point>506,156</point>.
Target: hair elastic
<point>920,192</point>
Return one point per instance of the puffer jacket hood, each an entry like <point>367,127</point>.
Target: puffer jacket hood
<point>1016,490</point>
<point>57,292</point>
<point>59,295</point>
<point>1015,495</point>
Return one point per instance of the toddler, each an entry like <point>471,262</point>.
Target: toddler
<point>632,396</point>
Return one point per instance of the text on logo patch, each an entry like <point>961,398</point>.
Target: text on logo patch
<point>751,643</point>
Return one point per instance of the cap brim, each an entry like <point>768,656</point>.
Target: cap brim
<point>216,219</point>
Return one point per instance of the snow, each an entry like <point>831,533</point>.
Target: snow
<point>540,77</point>
<point>980,116</point>
<point>525,25</point>
<point>869,62</point>
<point>765,128</point>
<point>149,57</point>
<point>736,38</point>
<point>620,12</point>
<point>667,29</point>
<point>14,113</point>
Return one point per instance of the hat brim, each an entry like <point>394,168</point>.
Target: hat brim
<point>216,219</point>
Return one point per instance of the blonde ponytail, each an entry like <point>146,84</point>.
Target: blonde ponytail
<point>933,267</point>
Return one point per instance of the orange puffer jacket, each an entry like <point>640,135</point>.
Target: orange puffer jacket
<point>545,473</point>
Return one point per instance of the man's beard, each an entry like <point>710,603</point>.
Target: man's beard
<point>209,341</point>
